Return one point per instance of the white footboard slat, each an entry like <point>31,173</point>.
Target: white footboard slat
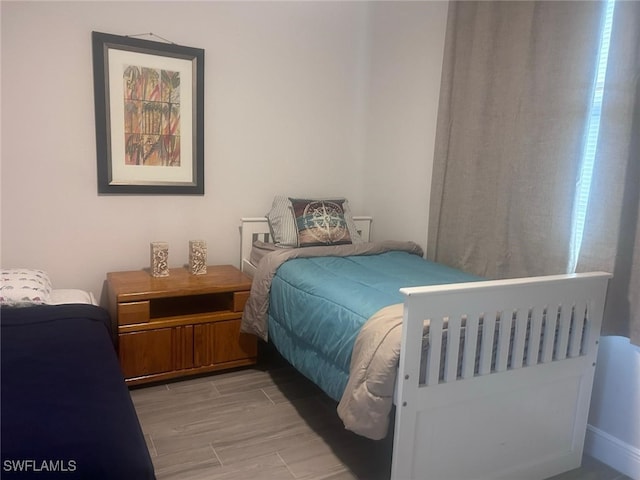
<point>549,335</point>
<point>433,357</point>
<point>470,347</point>
<point>486,347</point>
<point>575,333</point>
<point>522,413</point>
<point>504,341</point>
<point>563,332</point>
<point>533,351</point>
<point>453,348</point>
<point>522,320</point>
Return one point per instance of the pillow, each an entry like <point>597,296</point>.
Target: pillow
<point>320,222</point>
<point>282,222</point>
<point>62,296</point>
<point>22,287</point>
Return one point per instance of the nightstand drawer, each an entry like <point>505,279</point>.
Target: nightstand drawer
<point>133,312</point>
<point>239,299</point>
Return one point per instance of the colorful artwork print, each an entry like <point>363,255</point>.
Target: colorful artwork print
<point>151,116</point>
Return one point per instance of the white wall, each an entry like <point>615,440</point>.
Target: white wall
<point>401,123</point>
<point>303,98</point>
<point>613,435</point>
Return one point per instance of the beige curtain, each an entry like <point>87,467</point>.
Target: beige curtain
<point>515,96</point>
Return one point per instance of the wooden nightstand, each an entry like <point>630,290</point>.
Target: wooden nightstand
<point>182,324</point>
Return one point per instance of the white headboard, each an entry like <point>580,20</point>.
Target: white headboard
<point>257,228</point>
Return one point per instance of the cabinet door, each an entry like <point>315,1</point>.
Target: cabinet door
<point>230,344</point>
<point>156,351</point>
<point>220,342</point>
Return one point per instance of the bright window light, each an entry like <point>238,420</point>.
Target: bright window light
<point>581,202</point>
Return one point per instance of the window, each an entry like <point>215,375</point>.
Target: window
<point>581,201</point>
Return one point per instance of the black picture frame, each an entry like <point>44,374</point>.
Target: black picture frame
<point>149,112</point>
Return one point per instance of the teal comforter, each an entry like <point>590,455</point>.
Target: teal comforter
<point>317,306</point>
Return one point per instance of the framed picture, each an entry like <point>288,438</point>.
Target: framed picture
<point>149,116</point>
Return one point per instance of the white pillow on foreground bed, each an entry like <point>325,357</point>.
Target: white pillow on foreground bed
<point>24,286</point>
<point>60,296</point>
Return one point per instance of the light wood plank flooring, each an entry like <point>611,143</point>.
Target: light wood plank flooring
<point>267,422</point>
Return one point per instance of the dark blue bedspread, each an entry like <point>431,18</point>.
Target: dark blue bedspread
<point>66,411</point>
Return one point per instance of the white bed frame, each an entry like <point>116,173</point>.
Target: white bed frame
<point>257,228</point>
<point>522,412</point>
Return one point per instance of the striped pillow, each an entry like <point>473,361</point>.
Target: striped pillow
<point>282,223</point>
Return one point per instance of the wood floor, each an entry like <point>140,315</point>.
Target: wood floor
<point>267,422</point>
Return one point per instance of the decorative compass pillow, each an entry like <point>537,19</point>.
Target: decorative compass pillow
<point>23,287</point>
<point>320,222</point>
<point>282,222</point>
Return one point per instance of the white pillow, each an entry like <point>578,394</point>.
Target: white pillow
<point>61,296</point>
<point>22,287</point>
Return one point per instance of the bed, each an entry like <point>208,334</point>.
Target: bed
<point>66,411</point>
<point>480,379</point>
